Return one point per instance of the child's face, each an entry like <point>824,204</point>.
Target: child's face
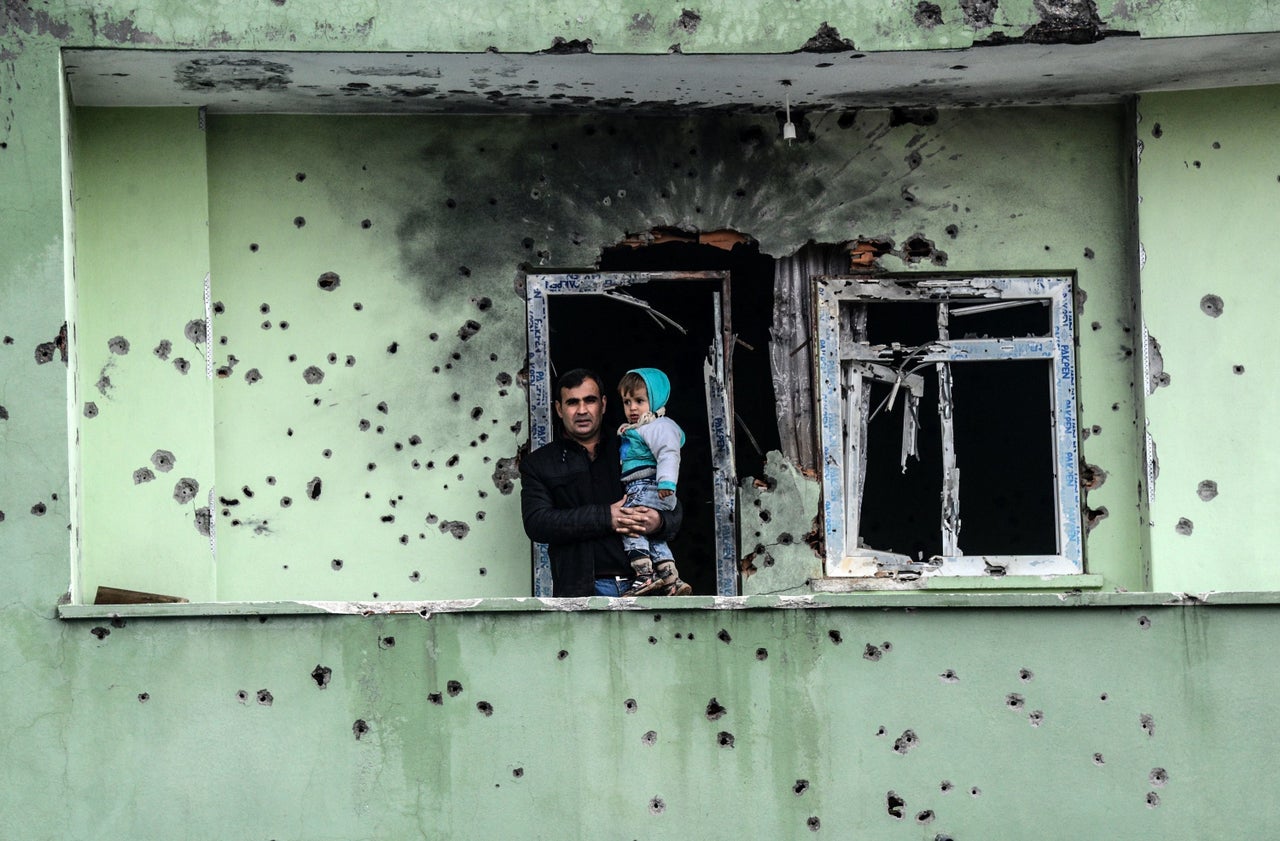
<point>635,403</point>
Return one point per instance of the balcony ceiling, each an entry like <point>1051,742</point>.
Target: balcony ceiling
<point>550,82</point>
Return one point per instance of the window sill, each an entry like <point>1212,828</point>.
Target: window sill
<point>914,599</point>
<point>951,583</point>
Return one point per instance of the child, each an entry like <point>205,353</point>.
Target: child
<point>650,450</point>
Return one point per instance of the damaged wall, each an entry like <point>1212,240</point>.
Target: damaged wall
<point>368,334</point>
<point>1209,180</point>
<point>1125,720</point>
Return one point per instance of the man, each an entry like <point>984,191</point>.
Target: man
<point>571,497</point>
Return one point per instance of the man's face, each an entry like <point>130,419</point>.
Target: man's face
<point>581,410</point>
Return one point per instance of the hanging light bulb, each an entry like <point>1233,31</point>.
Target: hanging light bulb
<point>788,128</point>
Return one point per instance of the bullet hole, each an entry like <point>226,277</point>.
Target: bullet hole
<point>914,160</point>
<point>118,345</point>
<point>1025,675</point>
<point>1153,800</point>
<point>715,711</point>
<point>785,539</point>
<point>38,509</point>
<point>657,805</point>
<point>880,731</point>
<point>949,676</point>
<point>453,688</point>
<point>1014,701</point>
<point>321,675</point>
<point>386,518</point>
<point>90,411</point>
<point>386,642</point>
<point>264,698</point>
<point>457,528</point>
<point>1211,305</point>
<point>436,698</point>
<point>453,461</point>
<point>1098,760</point>
<point>485,707</point>
<point>800,787</point>
<point>1184,527</point>
<point>357,306</point>
<point>393,347</point>
<point>1036,718</point>
<point>906,742</point>
<point>814,824</point>
<point>924,817</point>
<point>871,652</point>
<point>724,739</point>
<point>1144,623</point>
<point>1148,723</point>
<point>895,805</point>
<point>1158,777</point>
<point>432,518</point>
<point>186,489</point>
<point>1207,490</point>
<point>360,729</point>
<point>195,331</point>
<point>242,696</point>
<point>366,223</point>
<point>1092,477</point>
<point>1237,369</point>
<point>271,480</point>
<point>299,221</point>
<point>476,412</point>
<point>247,491</point>
<point>1093,516</point>
<point>464,271</point>
<point>468,330</point>
<point>182,365</point>
<point>313,375</point>
<point>293,357</point>
<point>266,325</point>
<point>450,203</point>
<point>44,352</point>
<point>945,786</point>
<point>163,349</point>
<point>724,637</point>
<point>333,357</point>
<point>100,632</point>
<point>143,697</point>
<point>835,636</point>
<point>336,564</point>
<point>286,501</point>
<point>517,772</point>
<point>975,792</point>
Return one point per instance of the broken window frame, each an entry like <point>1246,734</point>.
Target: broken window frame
<point>717,371</point>
<point>844,358</point>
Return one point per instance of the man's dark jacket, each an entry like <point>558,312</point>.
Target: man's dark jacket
<point>565,498</point>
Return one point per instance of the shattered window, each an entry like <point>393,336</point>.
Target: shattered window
<point>948,427</point>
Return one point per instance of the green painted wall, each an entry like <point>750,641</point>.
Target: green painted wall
<point>394,386</point>
<point>1209,181</point>
<point>128,729</point>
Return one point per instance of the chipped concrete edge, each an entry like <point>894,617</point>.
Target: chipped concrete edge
<point>599,604</point>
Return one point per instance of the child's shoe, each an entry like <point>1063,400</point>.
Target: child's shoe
<point>669,578</point>
<point>643,587</point>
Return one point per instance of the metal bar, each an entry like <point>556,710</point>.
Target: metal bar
<point>955,350</point>
<point>950,473</point>
<point>974,309</point>
<point>539,368</point>
<point>827,382</point>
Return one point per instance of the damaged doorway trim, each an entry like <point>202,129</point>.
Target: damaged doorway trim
<point>717,372</point>
<point>846,364</point>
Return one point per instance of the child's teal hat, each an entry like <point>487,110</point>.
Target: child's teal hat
<point>657,384</point>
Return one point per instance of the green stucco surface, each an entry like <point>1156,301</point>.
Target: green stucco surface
<point>1209,180</point>
<point>136,728</point>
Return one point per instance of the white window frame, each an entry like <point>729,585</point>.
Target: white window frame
<point>844,361</point>
<point>717,371</point>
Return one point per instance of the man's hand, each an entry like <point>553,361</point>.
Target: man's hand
<point>637,520</point>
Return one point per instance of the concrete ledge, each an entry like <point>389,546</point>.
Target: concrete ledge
<point>915,599</point>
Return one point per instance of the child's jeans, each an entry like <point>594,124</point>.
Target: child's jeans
<point>645,492</point>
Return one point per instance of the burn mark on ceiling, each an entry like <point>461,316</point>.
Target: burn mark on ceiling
<point>222,73</point>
